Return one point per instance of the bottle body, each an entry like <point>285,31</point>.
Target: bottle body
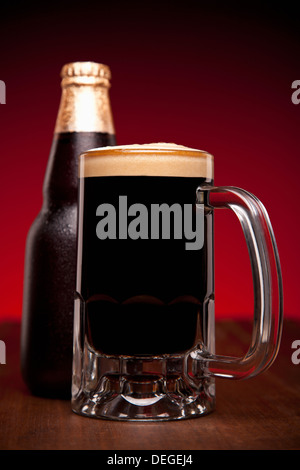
<point>46,338</point>
<point>50,266</point>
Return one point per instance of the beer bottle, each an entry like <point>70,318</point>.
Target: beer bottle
<point>84,121</point>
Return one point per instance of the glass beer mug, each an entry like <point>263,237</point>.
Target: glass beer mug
<point>144,328</point>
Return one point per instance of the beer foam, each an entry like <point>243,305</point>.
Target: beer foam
<point>155,159</point>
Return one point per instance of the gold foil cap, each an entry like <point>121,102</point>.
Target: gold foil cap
<point>85,104</point>
<point>89,73</point>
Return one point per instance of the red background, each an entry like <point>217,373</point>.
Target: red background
<point>205,76</point>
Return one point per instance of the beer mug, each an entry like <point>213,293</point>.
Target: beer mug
<point>144,327</point>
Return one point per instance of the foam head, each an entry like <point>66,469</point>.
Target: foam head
<point>160,159</point>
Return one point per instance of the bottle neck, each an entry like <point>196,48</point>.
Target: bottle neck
<point>85,107</point>
<point>84,121</point>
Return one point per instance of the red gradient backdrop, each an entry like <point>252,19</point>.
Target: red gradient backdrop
<point>208,77</point>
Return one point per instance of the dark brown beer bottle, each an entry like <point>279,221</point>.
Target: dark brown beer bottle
<point>84,121</point>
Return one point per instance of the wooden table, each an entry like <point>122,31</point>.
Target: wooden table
<point>260,413</point>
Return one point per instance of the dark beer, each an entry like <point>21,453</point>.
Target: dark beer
<point>50,264</point>
<point>142,296</point>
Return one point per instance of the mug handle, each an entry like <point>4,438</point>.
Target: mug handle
<point>267,283</point>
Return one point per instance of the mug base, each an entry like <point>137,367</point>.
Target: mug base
<point>145,399</point>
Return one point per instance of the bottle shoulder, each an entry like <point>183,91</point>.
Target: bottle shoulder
<point>61,178</point>
<point>54,222</point>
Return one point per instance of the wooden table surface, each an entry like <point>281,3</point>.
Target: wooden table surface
<point>256,414</point>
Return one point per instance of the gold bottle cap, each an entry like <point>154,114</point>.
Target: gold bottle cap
<point>85,104</point>
<point>89,73</point>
